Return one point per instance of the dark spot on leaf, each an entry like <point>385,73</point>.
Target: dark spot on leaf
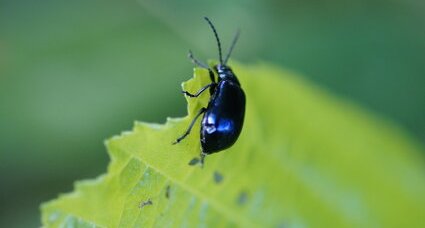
<point>145,203</point>
<point>242,198</point>
<point>218,178</point>
<point>167,191</point>
<point>194,161</point>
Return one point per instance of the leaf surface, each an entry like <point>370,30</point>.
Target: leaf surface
<point>304,158</point>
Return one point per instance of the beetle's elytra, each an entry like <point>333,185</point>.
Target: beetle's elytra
<point>224,115</point>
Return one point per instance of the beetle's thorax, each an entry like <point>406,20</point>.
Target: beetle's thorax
<point>224,72</point>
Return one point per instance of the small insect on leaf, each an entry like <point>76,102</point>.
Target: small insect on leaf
<point>145,203</point>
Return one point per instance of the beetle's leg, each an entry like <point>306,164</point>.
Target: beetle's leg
<point>190,126</point>
<point>212,85</point>
<point>212,88</point>
<point>202,159</point>
<point>210,72</point>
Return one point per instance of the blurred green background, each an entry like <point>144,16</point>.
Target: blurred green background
<point>73,73</point>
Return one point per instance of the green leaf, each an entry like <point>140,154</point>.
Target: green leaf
<point>304,158</point>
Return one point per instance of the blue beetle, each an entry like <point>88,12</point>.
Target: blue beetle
<point>224,116</point>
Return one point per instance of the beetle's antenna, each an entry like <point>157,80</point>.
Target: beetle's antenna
<point>235,39</point>
<point>216,37</point>
<point>197,62</point>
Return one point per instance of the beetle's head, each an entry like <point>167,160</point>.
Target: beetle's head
<point>224,72</point>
